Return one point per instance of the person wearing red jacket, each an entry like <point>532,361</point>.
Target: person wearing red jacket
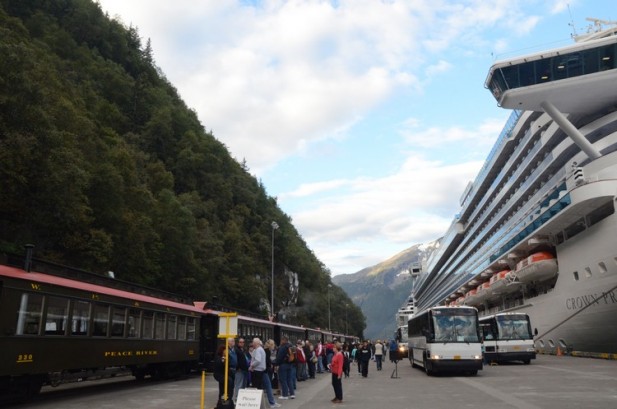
<point>301,370</point>
<point>337,373</point>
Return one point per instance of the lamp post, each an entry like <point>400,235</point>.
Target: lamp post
<point>274,227</point>
<point>346,305</point>
<point>329,326</point>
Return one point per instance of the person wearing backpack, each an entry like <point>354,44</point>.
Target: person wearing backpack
<point>284,371</point>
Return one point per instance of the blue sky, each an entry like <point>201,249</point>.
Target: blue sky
<point>365,118</point>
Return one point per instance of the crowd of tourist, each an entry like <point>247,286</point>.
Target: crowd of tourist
<point>277,370</point>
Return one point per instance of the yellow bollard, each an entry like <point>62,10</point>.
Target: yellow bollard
<point>203,388</point>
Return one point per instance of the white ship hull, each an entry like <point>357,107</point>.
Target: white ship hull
<point>581,314</point>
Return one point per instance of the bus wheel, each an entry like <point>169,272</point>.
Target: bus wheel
<point>527,361</point>
<point>473,373</point>
<point>428,371</point>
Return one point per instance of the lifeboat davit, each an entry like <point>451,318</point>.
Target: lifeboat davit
<point>537,267</point>
<point>471,297</point>
<point>504,282</point>
<point>484,292</point>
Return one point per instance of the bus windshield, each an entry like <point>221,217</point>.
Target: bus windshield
<point>513,327</point>
<point>454,325</point>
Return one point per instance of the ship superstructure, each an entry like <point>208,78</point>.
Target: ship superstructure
<point>537,228</point>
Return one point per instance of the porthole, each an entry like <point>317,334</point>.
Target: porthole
<point>541,342</point>
<point>563,344</point>
<point>575,275</point>
<point>551,343</point>
<point>587,272</point>
<point>602,267</point>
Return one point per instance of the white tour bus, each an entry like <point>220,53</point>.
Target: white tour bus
<point>446,339</point>
<point>507,337</point>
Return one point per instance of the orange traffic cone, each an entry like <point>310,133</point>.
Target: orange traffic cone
<point>559,353</point>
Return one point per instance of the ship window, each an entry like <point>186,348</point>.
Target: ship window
<point>559,238</point>
<point>600,213</point>
<point>575,228</point>
<point>57,317</point>
<point>551,343</point>
<point>591,61</point>
<point>541,343</point>
<point>563,344</point>
<point>607,58</point>
<point>575,276</point>
<point>587,272</point>
<point>602,267</point>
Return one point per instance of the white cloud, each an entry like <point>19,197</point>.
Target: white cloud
<point>484,134</point>
<point>272,78</point>
<point>561,5</point>
<point>415,205</point>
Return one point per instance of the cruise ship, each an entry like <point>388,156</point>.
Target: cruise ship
<point>537,229</point>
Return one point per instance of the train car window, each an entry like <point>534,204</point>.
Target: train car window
<point>190,329</point>
<point>118,321</point>
<point>134,323</point>
<point>148,319</point>
<point>29,314</point>
<point>57,315</point>
<point>182,328</point>
<point>159,326</point>
<point>80,318</point>
<point>172,320</point>
<point>100,317</point>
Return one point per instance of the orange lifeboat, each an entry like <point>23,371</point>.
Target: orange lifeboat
<point>504,282</point>
<point>484,292</point>
<point>539,266</point>
<point>471,297</point>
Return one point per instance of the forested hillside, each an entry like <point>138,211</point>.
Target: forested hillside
<point>104,167</point>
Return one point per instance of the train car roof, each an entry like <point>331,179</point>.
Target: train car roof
<point>17,273</point>
<point>203,305</point>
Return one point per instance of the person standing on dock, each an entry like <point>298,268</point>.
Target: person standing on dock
<point>242,370</point>
<point>284,371</point>
<point>257,366</point>
<point>336,368</point>
<point>378,354</point>
<point>365,358</point>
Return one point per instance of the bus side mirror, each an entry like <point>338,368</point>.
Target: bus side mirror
<point>535,332</point>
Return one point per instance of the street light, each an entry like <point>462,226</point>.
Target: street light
<point>329,326</point>
<point>275,226</point>
<point>346,305</point>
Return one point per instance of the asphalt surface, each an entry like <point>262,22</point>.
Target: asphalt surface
<point>549,382</point>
